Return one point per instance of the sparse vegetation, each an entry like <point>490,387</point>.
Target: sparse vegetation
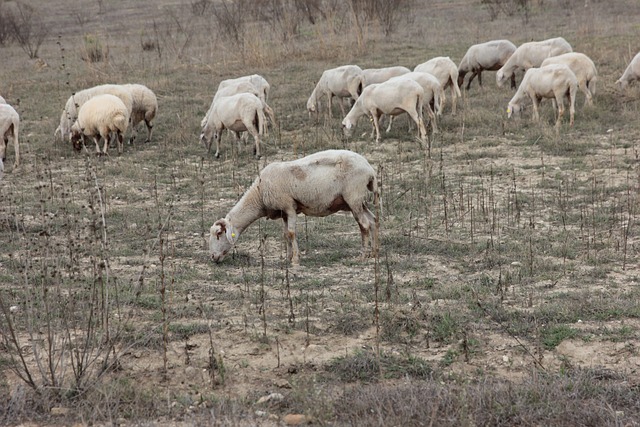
<point>504,293</point>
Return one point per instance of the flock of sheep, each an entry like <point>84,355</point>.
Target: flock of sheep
<point>333,180</point>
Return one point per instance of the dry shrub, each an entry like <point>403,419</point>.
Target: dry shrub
<point>28,28</point>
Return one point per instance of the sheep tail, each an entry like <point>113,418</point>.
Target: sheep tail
<point>591,85</point>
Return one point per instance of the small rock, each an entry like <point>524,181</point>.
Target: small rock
<point>295,419</point>
<point>516,264</point>
<point>59,411</point>
<point>282,383</point>
<point>14,309</point>
<point>260,413</point>
<point>505,359</point>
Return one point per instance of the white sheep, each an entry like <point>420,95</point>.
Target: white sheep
<point>488,56</point>
<point>433,93</point>
<point>317,185</point>
<point>241,85</point>
<point>631,73</point>
<point>380,75</point>
<point>259,83</point>
<point>144,108</point>
<point>2,101</point>
<point>529,55</point>
<point>446,71</point>
<point>342,82</point>
<point>99,117</point>
<point>555,81</point>
<point>238,113</point>
<point>75,101</point>
<point>584,69</point>
<point>393,97</point>
<point>9,129</point>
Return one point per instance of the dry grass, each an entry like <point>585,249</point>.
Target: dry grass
<point>506,290</point>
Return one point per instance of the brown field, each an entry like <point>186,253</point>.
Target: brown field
<point>506,287</point>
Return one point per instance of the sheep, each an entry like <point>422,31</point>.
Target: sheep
<point>584,69</point>
<point>9,128</point>
<point>98,118</point>
<point>2,101</point>
<point>238,113</point>
<point>631,73</point>
<point>259,83</point>
<point>75,101</point>
<point>531,54</point>
<point>317,185</point>
<point>433,93</point>
<point>343,82</point>
<point>446,71</point>
<point>380,75</point>
<point>488,56</point>
<point>240,85</point>
<point>555,81</point>
<point>393,97</point>
<point>145,107</point>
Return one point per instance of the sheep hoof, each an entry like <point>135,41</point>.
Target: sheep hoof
<point>217,155</point>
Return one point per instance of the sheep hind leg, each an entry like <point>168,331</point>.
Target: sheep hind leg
<point>367,224</point>
<point>149,129</point>
<point>290,237</point>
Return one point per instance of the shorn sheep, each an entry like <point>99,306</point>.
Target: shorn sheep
<point>555,81</point>
<point>380,75</point>
<point>529,55</point>
<point>238,113</point>
<point>488,56</point>
<point>99,117</point>
<point>446,71</point>
<point>342,82</point>
<point>75,101</point>
<point>144,108</point>
<point>631,73</point>
<point>393,97</point>
<point>433,92</point>
<point>9,129</point>
<point>317,185</point>
<point>256,80</point>
<point>584,69</point>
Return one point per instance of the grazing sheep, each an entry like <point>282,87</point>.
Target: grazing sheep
<point>145,107</point>
<point>489,56</point>
<point>236,86</point>
<point>380,75</point>
<point>531,54</point>
<point>317,185</point>
<point>631,73</point>
<point>346,81</point>
<point>555,81</point>
<point>75,101</point>
<point>98,118</point>
<point>393,97</point>
<point>584,69</point>
<point>259,83</point>
<point>9,128</point>
<point>446,71</point>
<point>238,113</point>
<point>433,93</point>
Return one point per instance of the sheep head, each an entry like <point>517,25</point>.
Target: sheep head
<point>75,135</point>
<point>223,236</point>
<point>347,127</point>
<point>513,110</point>
<point>500,78</point>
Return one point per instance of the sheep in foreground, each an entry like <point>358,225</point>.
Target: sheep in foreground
<point>9,129</point>
<point>555,81</point>
<point>433,93</point>
<point>98,118</point>
<point>446,71</point>
<point>317,185</point>
<point>70,112</point>
<point>488,56</point>
<point>529,55</point>
<point>393,97</point>
<point>381,75</point>
<point>584,69</point>
<point>2,101</point>
<point>346,81</point>
<point>144,107</point>
<point>631,73</point>
<point>238,113</point>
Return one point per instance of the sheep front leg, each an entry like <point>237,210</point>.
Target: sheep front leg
<point>560,105</point>
<point>376,124</point>
<point>120,138</point>
<point>285,234</point>
<point>217,135</point>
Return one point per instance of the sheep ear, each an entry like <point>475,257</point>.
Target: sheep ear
<point>232,234</point>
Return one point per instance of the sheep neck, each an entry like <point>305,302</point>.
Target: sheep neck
<point>248,209</point>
